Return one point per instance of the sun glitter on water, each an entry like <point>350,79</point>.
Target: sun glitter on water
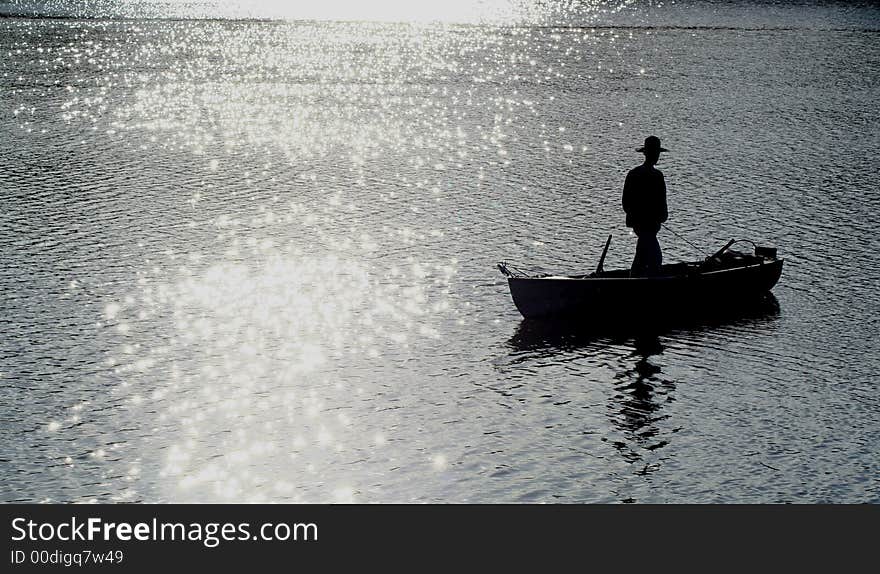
<point>255,390</point>
<point>459,11</point>
<point>450,11</point>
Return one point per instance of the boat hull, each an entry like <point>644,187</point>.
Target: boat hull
<point>620,296</point>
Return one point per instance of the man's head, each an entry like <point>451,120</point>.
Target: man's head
<point>651,149</point>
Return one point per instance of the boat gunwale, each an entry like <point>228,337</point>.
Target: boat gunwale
<point>684,276</point>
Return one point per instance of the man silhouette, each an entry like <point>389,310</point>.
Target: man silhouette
<point>644,201</point>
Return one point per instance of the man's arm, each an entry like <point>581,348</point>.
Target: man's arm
<point>628,199</point>
<point>627,193</point>
<point>664,211</point>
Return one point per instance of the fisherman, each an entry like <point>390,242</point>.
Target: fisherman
<point>644,201</point>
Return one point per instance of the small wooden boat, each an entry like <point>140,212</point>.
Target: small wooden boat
<point>726,279</point>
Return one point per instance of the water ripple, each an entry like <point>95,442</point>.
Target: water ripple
<point>254,260</point>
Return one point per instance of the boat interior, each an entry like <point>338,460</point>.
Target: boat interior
<point>728,260</point>
<point>723,259</point>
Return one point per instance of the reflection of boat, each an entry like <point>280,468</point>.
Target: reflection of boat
<point>727,278</point>
<point>619,370</point>
<point>549,337</point>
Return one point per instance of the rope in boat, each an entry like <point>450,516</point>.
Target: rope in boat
<point>511,271</point>
<point>755,245</point>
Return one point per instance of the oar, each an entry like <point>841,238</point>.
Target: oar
<point>604,253</point>
<point>722,250</point>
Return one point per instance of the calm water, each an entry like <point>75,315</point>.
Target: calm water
<point>252,260</point>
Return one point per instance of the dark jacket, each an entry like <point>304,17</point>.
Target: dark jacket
<point>644,199</point>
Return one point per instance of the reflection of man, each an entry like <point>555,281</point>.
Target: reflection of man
<point>644,201</point>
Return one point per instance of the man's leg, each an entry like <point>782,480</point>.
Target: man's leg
<point>638,268</point>
<point>648,256</point>
<point>653,255</point>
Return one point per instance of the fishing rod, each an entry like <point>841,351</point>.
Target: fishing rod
<point>718,253</point>
<point>683,238</point>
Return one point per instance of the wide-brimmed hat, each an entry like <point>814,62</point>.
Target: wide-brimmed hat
<point>652,143</point>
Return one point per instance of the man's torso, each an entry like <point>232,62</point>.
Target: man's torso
<point>644,198</point>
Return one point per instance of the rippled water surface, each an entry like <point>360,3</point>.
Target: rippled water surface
<point>253,260</point>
